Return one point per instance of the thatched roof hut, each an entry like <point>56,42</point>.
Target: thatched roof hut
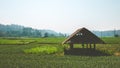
<point>83,36</point>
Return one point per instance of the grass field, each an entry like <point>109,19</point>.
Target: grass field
<point>13,55</point>
<point>111,40</point>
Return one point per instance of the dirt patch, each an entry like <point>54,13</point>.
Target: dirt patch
<point>117,53</point>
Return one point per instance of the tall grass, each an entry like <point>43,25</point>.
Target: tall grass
<point>109,48</point>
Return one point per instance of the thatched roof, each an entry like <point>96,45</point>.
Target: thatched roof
<point>83,35</point>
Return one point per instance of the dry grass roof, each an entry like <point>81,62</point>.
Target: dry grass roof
<point>83,36</point>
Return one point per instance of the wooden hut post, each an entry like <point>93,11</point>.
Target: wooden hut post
<point>94,46</point>
<point>82,45</point>
<point>71,45</point>
<point>86,45</point>
<point>90,46</point>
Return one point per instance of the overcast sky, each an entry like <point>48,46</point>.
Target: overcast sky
<point>62,15</point>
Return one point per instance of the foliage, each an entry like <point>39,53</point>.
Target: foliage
<point>21,31</point>
<point>42,50</point>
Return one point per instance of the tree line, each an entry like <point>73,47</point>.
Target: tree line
<point>21,31</point>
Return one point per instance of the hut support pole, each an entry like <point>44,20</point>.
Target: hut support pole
<point>90,46</point>
<point>86,45</point>
<point>71,46</point>
<point>94,46</point>
<point>82,45</point>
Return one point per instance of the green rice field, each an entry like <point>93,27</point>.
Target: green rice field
<point>49,53</point>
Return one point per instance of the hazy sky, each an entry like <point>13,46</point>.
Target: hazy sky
<point>62,15</point>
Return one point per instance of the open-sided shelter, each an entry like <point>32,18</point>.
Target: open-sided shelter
<point>83,36</point>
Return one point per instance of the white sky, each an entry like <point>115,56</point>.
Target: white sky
<point>62,15</point>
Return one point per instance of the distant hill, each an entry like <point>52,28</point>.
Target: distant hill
<point>14,30</point>
<point>110,33</point>
<point>21,31</point>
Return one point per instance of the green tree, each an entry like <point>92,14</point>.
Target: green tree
<point>46,35</point>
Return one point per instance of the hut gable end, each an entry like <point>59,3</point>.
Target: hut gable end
<point>83,35</point>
